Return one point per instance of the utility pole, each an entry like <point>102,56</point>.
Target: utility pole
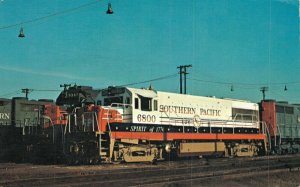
<point>65,86</point>
<point>182,71</point>
<point>263,90</point>
<point>26,91</point>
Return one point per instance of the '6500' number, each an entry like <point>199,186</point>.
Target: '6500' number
<point>146,118</point>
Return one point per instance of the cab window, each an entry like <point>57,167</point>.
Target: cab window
<point>136,103</point>
<point>155,105</point>
<point>146,104</point>
<point>127,100</point>
<point>110,100</point>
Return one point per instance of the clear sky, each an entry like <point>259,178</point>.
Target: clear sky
<point>243,43</point>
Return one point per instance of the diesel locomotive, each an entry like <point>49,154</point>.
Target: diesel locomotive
<point>138,125</point>
<point>283,121</point>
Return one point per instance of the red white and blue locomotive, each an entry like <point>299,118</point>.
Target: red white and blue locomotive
<point>133,125</point>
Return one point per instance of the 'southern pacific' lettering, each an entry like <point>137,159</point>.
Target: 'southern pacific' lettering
<point>177,109</point>
<point>189,110</point>
<point>210,112</point>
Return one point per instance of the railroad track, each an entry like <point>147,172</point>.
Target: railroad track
<point>165,173</point>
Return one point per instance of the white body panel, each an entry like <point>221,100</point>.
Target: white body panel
<point>177,109</point>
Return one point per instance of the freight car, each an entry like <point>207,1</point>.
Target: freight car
<point>135,125</point>
<point>283,121</point>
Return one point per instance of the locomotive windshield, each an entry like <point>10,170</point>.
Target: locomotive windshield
<point>111,100</point>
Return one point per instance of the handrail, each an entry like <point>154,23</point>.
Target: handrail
<point>190,120</point>
<point>273,130</point>
<point>242,115</point>
<point>109,129</point>
<point>94,118</point>
<point>114,105</point>
<point>75,115</point>
<point>97,123</point>
<point>266,128</point>
<point>51,122</point>
<point>48,117</point>
<point>67,122</point>
<point>119,104</point>
<point>83,121</point>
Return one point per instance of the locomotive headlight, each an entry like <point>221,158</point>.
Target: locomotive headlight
<point>168,148</point>
<point>76,149</point>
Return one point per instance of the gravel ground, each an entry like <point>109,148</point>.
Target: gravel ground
<point>274,179</point>
<point>23,174</point>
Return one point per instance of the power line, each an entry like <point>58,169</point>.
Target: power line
<point>26,90</point>
<point>39,90</point>
<point>151,80</point>
<point>242,83</point>
<point>51,15</point>
<point>11,93</point>
<point>208,81</point>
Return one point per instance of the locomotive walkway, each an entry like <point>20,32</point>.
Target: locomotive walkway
<point>257,171</point>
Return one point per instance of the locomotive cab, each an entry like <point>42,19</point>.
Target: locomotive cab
<point>134,105</point>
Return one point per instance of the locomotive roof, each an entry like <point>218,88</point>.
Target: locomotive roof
<point>281,103</point>
<point>153,93</point>
<point>4,99</point>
